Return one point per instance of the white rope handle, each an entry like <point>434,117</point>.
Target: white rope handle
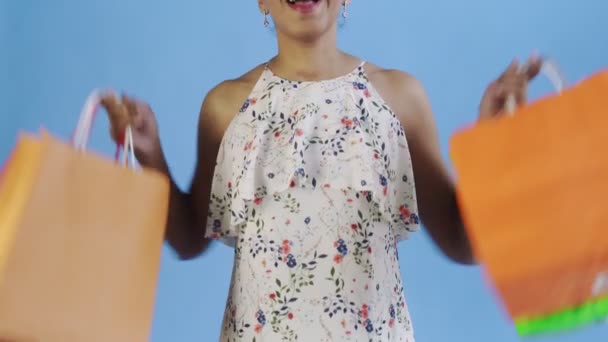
<point>85,124</point>
<point>550,70</point>
<point>129,149</point>
<point>85,121</point>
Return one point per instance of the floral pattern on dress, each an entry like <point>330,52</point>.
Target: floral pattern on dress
<point>314,188</point>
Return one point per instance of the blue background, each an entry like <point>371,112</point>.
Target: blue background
<point>52,53</point>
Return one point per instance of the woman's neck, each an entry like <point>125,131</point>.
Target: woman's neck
<point>311,61</point>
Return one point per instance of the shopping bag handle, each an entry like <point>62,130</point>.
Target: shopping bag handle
<point>87,117</point>
<point>550,70</point>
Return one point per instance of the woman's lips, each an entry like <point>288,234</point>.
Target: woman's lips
<point>303,6</point>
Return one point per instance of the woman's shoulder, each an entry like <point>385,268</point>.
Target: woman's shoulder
<point>391,79</point>
<point>393,84</point>
<point>236,89</point>
<point>403,92</point>
<point>225,99</point>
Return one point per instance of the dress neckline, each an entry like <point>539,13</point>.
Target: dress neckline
<point>355,71</point>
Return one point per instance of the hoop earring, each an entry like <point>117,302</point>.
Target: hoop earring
<point>266,21</point>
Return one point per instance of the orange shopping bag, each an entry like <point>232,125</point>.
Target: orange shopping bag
<point>532,189</point>
<point>80,242</point>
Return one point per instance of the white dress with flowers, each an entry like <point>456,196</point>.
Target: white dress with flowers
<point>314,188</point>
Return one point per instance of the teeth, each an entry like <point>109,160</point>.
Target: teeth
<point>294,1</point>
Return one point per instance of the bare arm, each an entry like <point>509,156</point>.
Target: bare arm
<point>187,218</point>
<point>435,187</point>
<point>188,211</point>
<point>436,193</point>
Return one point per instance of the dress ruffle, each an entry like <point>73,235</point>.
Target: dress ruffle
<point>279,140</point>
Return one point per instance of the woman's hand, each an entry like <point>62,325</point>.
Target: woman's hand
<point>129,111</point>
<point>513,82</point>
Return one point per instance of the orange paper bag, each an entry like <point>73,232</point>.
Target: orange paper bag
<point>532,189</point>
<point>80,242</point>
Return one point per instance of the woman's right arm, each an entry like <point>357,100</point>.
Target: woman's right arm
<point>187,218</point>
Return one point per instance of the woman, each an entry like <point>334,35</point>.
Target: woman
<point>305,167</point>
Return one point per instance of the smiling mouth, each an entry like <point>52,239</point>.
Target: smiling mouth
<point>304,6</point>
<point>291,2</point>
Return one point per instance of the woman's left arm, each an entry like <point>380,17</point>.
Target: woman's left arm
<point>435,188</point>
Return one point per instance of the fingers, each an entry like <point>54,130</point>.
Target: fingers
<point>131,107</point>
<point>511,71</point>
<point>492,101</point>
<point>137,110</point>
<point>514,80</point>
<point>142,110</point>
<point>113,106</point>
<point>535,64</point>
<point>511,85</point>
<point>117,113</point>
